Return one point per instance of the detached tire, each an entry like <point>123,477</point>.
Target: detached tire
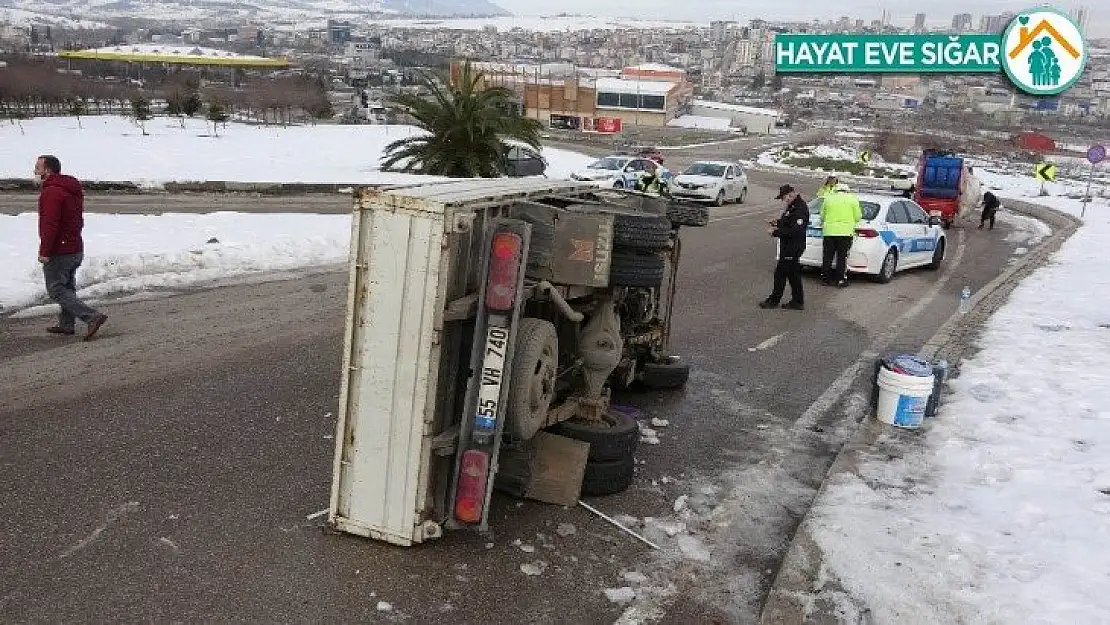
<point>615,438</point>
<point>608,478</point>
<point>670,373</point>
<point>532,380</point>
<point>643,232</point>
<point>637,269</point>
<point>688,214</point>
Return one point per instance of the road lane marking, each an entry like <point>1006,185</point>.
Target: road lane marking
<point>112,518</point>
<point>768,344</point>
<point>842,383</point>
<point>756,213</point>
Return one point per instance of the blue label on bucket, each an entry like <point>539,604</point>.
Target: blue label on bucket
<point>910,411</point>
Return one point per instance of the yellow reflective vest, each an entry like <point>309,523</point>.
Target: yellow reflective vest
<point>840,212</point>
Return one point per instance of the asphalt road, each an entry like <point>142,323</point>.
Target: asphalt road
<point>166,471</point>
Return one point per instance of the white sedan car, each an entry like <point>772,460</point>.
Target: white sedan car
<point>895,234</point>
<point>711,181</point>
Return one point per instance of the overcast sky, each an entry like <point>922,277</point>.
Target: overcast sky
<point>902,11</point>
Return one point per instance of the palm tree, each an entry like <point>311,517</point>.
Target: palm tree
<point>466,128</point>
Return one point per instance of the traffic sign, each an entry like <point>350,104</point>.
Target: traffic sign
<point>865,157</point>
<point>1096,153</point>
<point>1045,172</point>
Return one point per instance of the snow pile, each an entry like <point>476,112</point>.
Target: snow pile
<point>114,148</point>
<point>1028,188</point>
<point>779,157</point>
<point>701,123</point>
<point>126,253</point>
<point>721,531</point>
<point>999,510</point>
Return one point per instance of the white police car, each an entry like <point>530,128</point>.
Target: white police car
<point>619,171</point>
<point>895,234</point>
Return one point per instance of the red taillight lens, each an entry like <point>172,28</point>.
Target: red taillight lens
<point>867,233</point>
<point>504,265</point>
<point>470,496</point>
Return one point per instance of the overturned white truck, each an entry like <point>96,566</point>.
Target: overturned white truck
<point>486,316</point>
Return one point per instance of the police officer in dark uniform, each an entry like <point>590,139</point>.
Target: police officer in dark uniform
<point>790,229</point>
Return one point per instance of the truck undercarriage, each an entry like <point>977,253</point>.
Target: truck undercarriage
<point>550,300</point>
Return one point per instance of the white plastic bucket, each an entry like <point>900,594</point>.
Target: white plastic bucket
<point>903,398</point>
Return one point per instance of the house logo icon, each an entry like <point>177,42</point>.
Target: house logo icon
<point>1044,52</point>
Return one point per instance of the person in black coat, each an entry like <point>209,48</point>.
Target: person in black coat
<point>790,230</point>
<point>990,209</point>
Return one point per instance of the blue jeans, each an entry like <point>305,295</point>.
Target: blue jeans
<point>61,285</point>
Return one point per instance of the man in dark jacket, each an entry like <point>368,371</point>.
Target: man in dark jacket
<point>61,250</point>
<point>990,209</point>
<point>790,229</point>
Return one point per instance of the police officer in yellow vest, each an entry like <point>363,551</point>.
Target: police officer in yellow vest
<point>651,182</point>
<point>840,213</point>
<point>827,188</point>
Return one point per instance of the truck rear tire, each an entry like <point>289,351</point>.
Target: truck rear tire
<point>630,268</point>
<point>669,373</point>
<point>608,478</point>
<point>688,214</point>
<point>644,232</point>
<point>541,247</point>
<point>532,380</point>
<point>615,438</point>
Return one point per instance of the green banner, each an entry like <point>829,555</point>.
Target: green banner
<point>888,54</point>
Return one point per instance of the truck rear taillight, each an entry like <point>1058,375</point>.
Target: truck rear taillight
<point>504,267</point>
<point>867,233</point>
<point>470,496</point>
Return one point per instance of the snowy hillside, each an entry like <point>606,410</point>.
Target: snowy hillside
<point>56,19</point>
<point>193,10</point>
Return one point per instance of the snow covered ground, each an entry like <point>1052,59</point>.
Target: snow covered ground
<point>701,123</point>
<point>114,148</point>
<point>999,510</point>
<point>134,253</point>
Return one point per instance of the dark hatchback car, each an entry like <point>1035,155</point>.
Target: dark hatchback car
<point>525,161</point>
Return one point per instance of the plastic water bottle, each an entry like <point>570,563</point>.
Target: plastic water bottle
<point>965,300</point>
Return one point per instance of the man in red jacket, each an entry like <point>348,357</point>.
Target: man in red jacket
<point>61,250</point>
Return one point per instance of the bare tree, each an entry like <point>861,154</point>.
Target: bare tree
<point>140,108</point>
<point>217,114</point>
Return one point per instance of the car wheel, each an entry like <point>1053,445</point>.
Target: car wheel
<point>532,381</point>
<point>888,268</point>
<point>615,438</point>
<point>938,255</point>
<point>618,185</point>
<point>720,201</point>
<point>743,195</point>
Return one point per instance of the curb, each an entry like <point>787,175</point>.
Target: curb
<point>797,593</point>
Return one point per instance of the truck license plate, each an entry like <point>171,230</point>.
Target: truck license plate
<point>491,377</point>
